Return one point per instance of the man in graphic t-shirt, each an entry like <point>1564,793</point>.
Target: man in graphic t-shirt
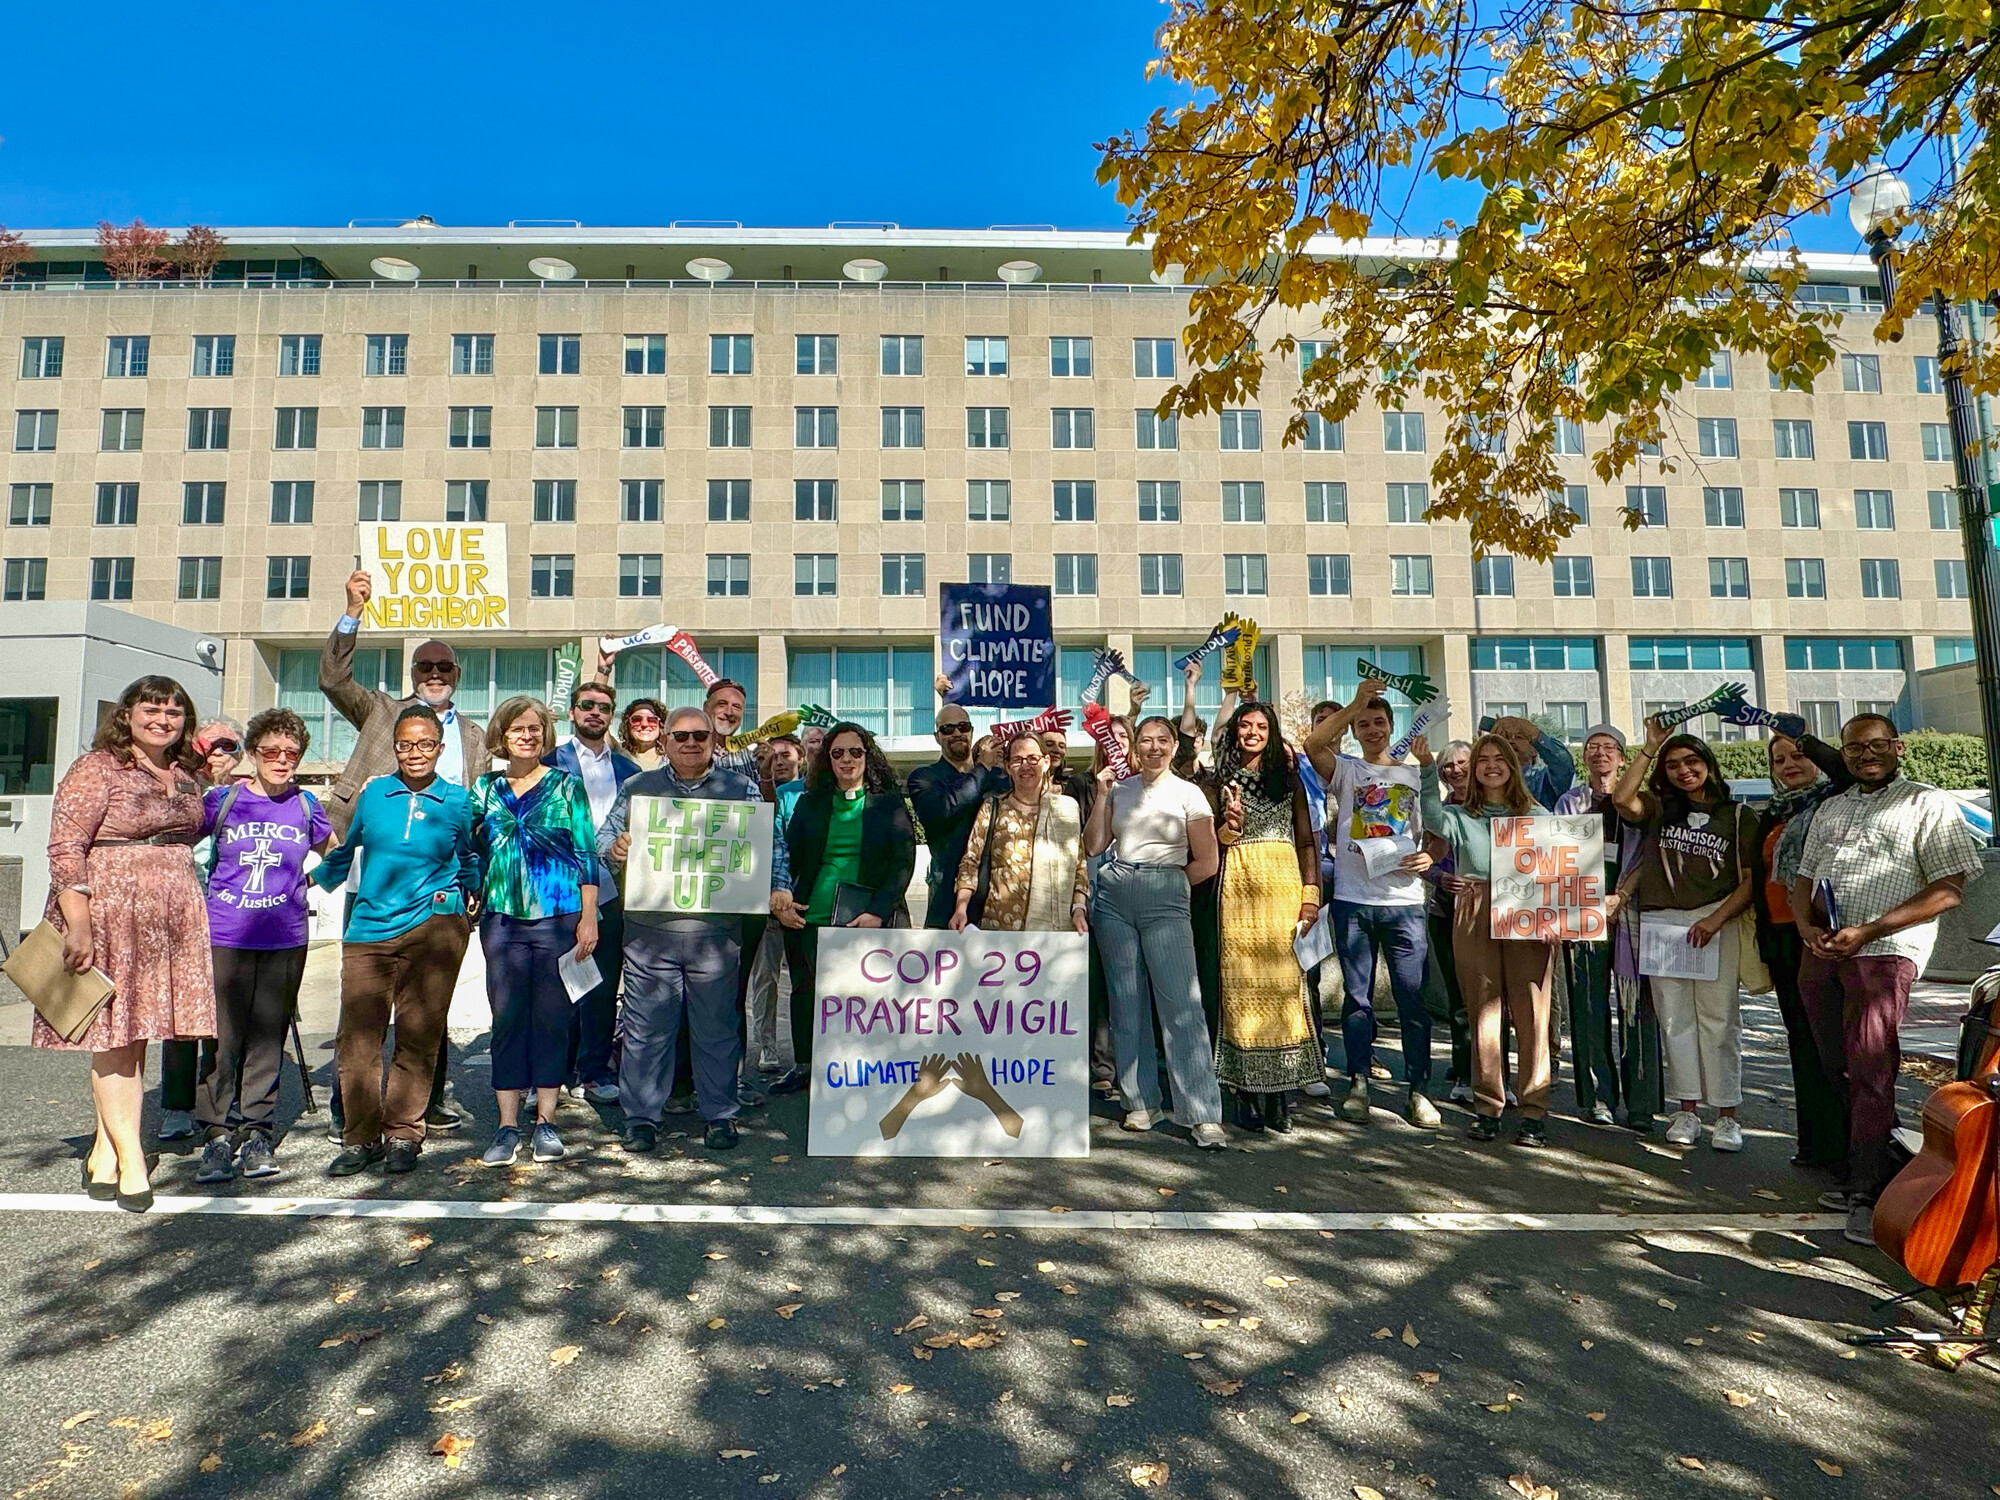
<point>1374,833</point>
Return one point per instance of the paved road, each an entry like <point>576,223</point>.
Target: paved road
<point>317,1353</point>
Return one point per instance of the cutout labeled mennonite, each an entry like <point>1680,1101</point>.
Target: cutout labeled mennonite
<point>938,1043</point>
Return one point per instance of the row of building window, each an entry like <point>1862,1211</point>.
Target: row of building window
<point>299,354</point>
<point>123,430</point>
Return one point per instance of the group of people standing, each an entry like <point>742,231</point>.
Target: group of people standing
<point>1194,874</point>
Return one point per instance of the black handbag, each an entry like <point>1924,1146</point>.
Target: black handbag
<point>975,909</point>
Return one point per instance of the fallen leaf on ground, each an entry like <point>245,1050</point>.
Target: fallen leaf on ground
<point>352,1336</point>
<point>1067,1290</point>
<point>1166,1192</point>
<point>919,1321</point>
<point>1739,1398</point>
<point>1669,1304</point>
<point>1383,1333</point>
<point>210,1463</point>
<point>1221,1307</point>
<point>980,1340</point>
<point>451,1448</point>
<point>1005,1397</point>
<point>1274,1281</point>
<point>1832,1471</point>
<point>838,1470</point>
<point>900,1389</point>
<point>346,1295</point>
<point>1429,1377</point>
<point>1301,1416</point>
<point>419,1242</point>
<point>1215,1322</point>
<point>1249,1322</point>
<point>1119,1398</point>
<point>1194,1354</point>
<point>451,1371</point>
<point>89,1265</point>
<point>1045,1265</point>
<point>1692,1463</point>
<point>737,1453</point>
<point>157,1432</point>
<point>1589,1343</point>
<point>987,1312</point>
<point>79,1419</point>
<point>786,1309</point>
<point>1501,1406</point>
<point>1057,1208</point>
<point>1767,1193</point>
<point>1410,1336</point>
<point>716,1255</point>
<point>1595,1416</point>
<point>940,1341</point>
<point>780,1161</point>
<point>977,1260</point>
<point>1365,1492</point>
<point>1081,1343</point>
<point>1149,1476</point>
<point>715,1323</point>
<point>565,1355</point>
<point>1006,1296</point>
<point>1222,1387</point>
<point>485,1319</point>
<point>457,1403</point>
<point>305,1437</point>
<point>1692,1343</point>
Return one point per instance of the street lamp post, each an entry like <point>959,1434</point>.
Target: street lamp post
<point>1873,206</point>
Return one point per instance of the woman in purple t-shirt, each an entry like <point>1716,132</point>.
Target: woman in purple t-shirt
<point>263,829</point>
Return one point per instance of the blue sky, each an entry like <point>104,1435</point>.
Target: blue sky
<point>945,114</point>
<point>949,115</point>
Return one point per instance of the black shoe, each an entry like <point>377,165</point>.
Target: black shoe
<point>721,1135</point>
<point>218,1160</point>
<point>640,1136</point>
<point>356,1159</point>
<point>402,1156</point>
<point>1532,1133</point>
<point>791,1081</point>
<point>136,1203</point>
<point>1277,1113</point>
<point>1484,1128</point>
<point>97,1192</point>
<point>254,1159</point>
<point>442,1116</point>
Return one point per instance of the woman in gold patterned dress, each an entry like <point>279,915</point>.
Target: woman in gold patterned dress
<point>1037,878</point>
<point>1265,1046</point>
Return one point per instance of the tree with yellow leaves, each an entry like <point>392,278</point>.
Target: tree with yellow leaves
<point>1638,173</point>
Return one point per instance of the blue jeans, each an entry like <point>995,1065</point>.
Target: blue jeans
<point>691,968</point>
<point>1139,915</point>
<point>1401,934</point>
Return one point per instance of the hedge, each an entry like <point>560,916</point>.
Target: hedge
<point>1953,761</point>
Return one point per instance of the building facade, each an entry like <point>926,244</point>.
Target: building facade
<point>784,441</point>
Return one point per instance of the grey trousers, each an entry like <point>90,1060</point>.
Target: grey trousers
<point>1140,916</point>
<point>687,969</point>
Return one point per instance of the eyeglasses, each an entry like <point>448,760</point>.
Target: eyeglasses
<point>224,745</point>
<point>644,721</point>
<point>854,752</point>
<point>419,747</point>
<point>689,736</point>
<point>1860,748</point>
<point>282,757</point>
<point>429,668</point>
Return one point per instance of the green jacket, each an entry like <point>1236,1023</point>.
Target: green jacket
<point>1462,828</point>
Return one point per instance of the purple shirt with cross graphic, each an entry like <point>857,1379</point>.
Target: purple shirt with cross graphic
<point>256,895</point>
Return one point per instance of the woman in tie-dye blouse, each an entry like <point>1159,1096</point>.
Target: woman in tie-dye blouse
<point>537,855</point>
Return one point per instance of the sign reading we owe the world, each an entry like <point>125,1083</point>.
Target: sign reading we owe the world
<point>935,1043</point>
<point>695,857</point>
<point>428,577</point>
<point>1547,878</point>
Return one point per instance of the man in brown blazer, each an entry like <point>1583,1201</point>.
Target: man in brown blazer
<point>372,712</point>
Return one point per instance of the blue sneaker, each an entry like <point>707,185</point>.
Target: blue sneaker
<point>506,1146</point>
<point>548,1145</point>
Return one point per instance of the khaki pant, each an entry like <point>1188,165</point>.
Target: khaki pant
<point>408,979</point>
<point>1513,973</point>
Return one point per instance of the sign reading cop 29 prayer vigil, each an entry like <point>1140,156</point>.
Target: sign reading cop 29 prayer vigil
<point>1548,877</point>
<point>950,1043</point>
<point>693,857</point>
<point>999,644</point>
<point>435,577</point>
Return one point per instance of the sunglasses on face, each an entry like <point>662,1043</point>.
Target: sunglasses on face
<point>418,747</point>
<point>594,706</point>
<point>644,721</point>
<point>954,729</point>
<point>433,668</point>
<point>281,756</point>
<point>690,736</point>
<point>221,747</point>
<point>854,753</point>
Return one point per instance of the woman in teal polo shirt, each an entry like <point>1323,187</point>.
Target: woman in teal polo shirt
<point>405,939</point>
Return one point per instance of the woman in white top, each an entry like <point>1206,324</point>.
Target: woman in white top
<point>1161,834</point>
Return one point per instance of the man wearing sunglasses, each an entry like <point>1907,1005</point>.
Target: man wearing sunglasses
<point>372,712</point>
<point>676,964</point>
<point>589,755</point>
<point>946,794</point>
<point>1883,861</point>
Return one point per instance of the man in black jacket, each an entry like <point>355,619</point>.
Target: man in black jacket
<point>946,794</point>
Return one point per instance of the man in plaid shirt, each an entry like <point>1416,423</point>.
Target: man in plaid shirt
<point>1883,861</point>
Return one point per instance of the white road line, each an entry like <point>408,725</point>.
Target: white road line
<point>874,1217</point>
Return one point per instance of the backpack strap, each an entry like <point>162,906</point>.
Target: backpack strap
<point>221,817</point>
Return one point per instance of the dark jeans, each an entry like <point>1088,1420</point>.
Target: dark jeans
<point>183,1064</point>
<point>1856,1006</point>
<point>1816,1106</point>
<point>593,1031</point>
<point>1438,923</point>
<point>531,1019</point>
<point>1641,1075</point>
<point>1399,932</point>
<point>802,954</point>
<point>255,993</point>
<point>1587,966</point>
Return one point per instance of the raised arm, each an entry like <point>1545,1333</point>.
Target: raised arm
<point>1559,766</point>
<point>1097,832</point>
<point>336,658</point>
<point>1629,796</point>
<point>1322,745</point>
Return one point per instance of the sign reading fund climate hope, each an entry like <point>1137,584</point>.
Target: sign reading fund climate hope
<point>950,1043</point>
<point>999,644</point>
<point>694,857</point>
<point>435,577</point>
<point>1548,878</point>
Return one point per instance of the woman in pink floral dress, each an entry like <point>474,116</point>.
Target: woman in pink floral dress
<point>122,891</point>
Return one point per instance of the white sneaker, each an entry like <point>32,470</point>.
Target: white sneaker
<point>1684,1129</point>
<point>1728,1134</point>
<point>1316,1090</point>
<point>767,1062</point>
<point>1210,1137</point>
<point>1600,1113</point>
<point>1461,1093</point>
<point>1139,1119</point>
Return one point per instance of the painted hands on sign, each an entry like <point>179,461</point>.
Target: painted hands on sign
<point>966,1073</point>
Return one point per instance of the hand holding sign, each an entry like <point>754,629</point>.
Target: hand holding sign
<point>1048,721</point>
<point>1413,685</point>
<point>1239,659</point>
<point>1673,718</point>
<point>1737,711</point>
<point>1430,716</point>
<point>1097,724</point>
<point>1222,635</point>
